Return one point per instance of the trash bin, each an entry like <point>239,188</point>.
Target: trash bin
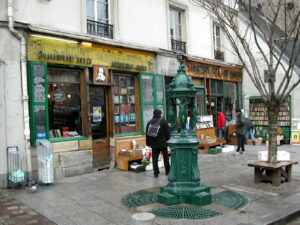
<point>45,162</point>
<point>15,168</point>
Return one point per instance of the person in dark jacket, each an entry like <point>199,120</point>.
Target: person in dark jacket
<point>159,143</point>
<point>240,130</point>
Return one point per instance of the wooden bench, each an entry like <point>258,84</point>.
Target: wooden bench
<point>126,143</point>
<point>205,143</point>
<point>264,171</point>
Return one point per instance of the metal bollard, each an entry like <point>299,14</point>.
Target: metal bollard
<point>143,219</point>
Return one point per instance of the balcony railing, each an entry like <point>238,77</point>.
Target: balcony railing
<point>99,29</point>
<point>178,45</point>
<point>219,55</point>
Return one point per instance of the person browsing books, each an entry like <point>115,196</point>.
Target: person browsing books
<point>157,135</point>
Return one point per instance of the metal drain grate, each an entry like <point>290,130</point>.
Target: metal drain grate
<point>140,198</point>
<point>185,212</point>
<point>230,199</point>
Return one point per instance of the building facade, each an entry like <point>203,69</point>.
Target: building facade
<point>87,74</point>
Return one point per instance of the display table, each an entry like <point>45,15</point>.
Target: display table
<point>208,139</point>
<point>264,171</point>
<point>124,159</point>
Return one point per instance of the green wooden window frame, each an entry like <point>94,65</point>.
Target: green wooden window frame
<point>155,103</point>
<point>33,103</point>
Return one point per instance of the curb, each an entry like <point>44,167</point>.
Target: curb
<point>281,217</point>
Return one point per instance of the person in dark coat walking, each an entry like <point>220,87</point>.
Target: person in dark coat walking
<point>240,130</point>
<point>159,143</point>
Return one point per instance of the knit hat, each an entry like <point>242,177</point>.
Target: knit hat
<point>157,113</point>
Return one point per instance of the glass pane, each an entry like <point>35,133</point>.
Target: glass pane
<point>40,121</point>
<point>147,87</point>
<point>230,100</point>
<point>159,89</point>
<point>219,87</point>
<point>64,104</point>
<point>212,86</point>
<point>124,104</point>
<point>148,114</point>
<point>90,9</point>
<point>161,107</point>
<point>97,114</point>
<point>102,12</point>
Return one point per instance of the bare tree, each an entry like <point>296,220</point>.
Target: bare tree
<point>270,27</point>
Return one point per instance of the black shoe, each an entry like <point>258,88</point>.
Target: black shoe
<point>155,175</point>
<point>167,173</point>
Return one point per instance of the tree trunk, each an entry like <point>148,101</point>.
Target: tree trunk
<point>273,109</point>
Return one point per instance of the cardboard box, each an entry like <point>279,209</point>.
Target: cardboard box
<point>281,156</point>
<point>258,141</point>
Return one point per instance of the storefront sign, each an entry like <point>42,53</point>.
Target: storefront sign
<point>43,49</point>
<point>214,71</point>
<point>100,75</point>
<point>58,95</point>
<point>64,58</point>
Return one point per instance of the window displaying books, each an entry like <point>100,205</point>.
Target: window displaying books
<point>259,118</point>
<point>124,104</point>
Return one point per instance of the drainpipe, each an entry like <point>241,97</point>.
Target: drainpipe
<point>25,98</point>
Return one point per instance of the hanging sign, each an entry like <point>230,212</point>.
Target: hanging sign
<point>100,75</point>
<point>58,95</point>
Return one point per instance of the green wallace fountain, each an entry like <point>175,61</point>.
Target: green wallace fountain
<point>184,178</point>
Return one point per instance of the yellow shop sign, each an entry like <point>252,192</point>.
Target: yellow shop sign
<point>58,51</point>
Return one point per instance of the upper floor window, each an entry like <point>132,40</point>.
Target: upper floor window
<point>176,30</point>
<point>219,54</point>
<point>98,18</point>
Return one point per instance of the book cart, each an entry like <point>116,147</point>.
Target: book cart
<point>259,118</point>
<point>205,132</point>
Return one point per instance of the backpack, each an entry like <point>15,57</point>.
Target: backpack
<point>153,129</point>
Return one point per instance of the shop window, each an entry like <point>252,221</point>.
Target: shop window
<point>124,104</point>
<point>152,94</point>
<point>64,105</point>
<point>98,18</point>
<point>55,103</point>
<point>216,87</point>
<point>230,96</point>
<point>176,30</point>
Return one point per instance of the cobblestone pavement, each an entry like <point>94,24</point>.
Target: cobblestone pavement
<point>96,198</point>
<point>15,212</point>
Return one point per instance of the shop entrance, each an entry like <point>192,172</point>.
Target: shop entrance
<point>216,102</point>
<point>99,125</point>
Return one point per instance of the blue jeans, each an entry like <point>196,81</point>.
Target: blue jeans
<point>220,133</point>
<point>251,135</point>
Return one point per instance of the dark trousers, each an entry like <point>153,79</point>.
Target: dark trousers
<point>155,154</point>
<point>241,142</point>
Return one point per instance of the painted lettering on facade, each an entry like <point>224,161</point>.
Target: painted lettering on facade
<point>214,72</point>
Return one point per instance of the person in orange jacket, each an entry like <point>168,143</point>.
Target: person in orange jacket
<point>221,123</point>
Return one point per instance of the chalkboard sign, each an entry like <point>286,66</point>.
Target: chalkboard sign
<point>147,82</point>
<point>40,121</point>
<point>39,83</point>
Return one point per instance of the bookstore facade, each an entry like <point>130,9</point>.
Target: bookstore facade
<point>87,97</point>
<point>219,85</point>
